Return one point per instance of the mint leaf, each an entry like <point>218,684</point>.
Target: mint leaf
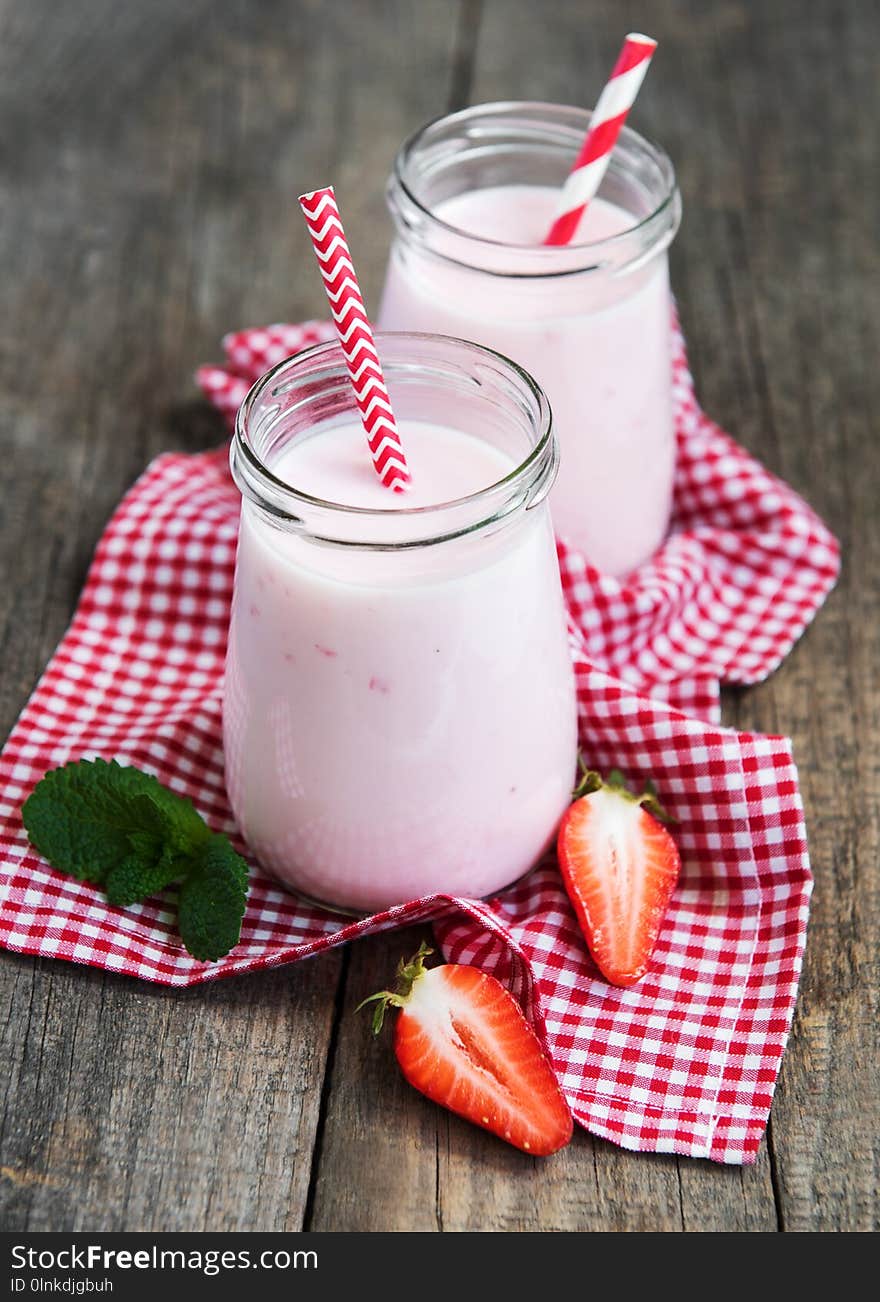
<point>111,824</point>
<point>183,827</point>
<point>149,868</point>
<point>81,817</point>
<point>212,900</point>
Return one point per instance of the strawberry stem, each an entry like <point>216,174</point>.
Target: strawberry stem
<point>592,781</point>
<point>408,974</point>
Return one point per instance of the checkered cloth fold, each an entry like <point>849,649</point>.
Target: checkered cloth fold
<point>685,1062</point>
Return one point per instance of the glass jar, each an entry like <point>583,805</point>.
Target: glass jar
<point>399,706</point>
<point>591,321</point>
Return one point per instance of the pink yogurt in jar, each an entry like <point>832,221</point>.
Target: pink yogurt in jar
<point>399,710</point>
<point>472,196</point>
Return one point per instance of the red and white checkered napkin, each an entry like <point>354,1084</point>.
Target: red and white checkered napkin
<point>686,1062</point>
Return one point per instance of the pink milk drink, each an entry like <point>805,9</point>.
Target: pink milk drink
<point>473,196</point>
<point>399,708</point>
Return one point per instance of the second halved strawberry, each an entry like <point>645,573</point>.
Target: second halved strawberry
<point>462,1040</point>
<point>620,867</point>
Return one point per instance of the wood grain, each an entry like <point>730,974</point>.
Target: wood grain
<point>132,1107</point>
<point>812,332</point>
<point>149,206</point>
<point>150,163</point>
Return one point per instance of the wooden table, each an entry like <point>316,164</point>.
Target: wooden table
<point>150,162</point>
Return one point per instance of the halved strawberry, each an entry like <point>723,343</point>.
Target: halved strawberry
<point>620,866</point>
<point>462,1040</point>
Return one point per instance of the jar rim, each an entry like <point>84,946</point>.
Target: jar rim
<point>543,111</point>
<point>529,479</point>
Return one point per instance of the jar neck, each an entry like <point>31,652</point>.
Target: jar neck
<point>525,143</point>
<point>470,388</point>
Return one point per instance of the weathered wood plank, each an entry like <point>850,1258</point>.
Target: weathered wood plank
<point>153,156</point>
<point>377,1165</point>
<point>777,246</point>
<point>131,1107</point>
<point>559,52</point>
<point>809,252</point>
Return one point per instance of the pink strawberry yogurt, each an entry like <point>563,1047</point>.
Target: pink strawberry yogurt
<point>399,714</point>
<point>591,321</point>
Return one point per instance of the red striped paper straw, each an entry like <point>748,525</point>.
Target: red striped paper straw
<point>355,336</point>
<point>608,117</point>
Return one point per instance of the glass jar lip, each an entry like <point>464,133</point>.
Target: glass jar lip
<point>549,253</point>
<point>255,475</point>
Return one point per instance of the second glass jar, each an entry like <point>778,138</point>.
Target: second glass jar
<point>591,321</point>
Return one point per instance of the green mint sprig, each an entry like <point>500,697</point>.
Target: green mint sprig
<point>121,829</point>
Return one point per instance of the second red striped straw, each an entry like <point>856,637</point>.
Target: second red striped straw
<point>355,336</point>
<point>608,117</point>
